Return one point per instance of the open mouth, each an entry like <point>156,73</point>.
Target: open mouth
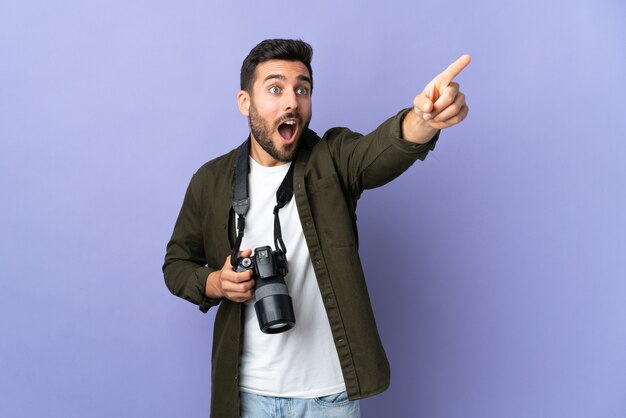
<point>287,130</point>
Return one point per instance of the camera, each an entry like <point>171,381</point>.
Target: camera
<point>273,306</point>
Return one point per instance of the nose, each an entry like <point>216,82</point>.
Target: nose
<point>290,100</point>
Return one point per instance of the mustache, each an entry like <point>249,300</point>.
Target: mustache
<point>287,116</point>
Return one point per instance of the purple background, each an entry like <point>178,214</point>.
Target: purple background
<point>497,267</point>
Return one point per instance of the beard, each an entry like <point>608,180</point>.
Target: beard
<point>262,132</point>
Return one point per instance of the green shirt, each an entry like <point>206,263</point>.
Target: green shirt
<point>329,176</point>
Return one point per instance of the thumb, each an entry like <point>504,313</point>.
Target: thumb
<point>422,103</point>
<point>245,253</point>
<point>232,263</point>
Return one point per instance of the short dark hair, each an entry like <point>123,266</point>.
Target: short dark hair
<point>269,49</point>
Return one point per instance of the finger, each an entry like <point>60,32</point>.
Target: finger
<point>448,96</point>
<point>237,277</point>
<point>452,109</point>
<point>242,254</point>
<point>238,289</point>
<point>245,295</point>
<point>240,297</point>
<point>239,292</point>
<point>245,253</point>
<point>431,91</point>
<point>452,121</point>
<point>422,103</point>
<point>454,69</point>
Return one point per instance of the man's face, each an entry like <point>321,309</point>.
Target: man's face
<point>278,110</point>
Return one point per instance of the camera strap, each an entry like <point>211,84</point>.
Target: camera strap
<point>241,200</point>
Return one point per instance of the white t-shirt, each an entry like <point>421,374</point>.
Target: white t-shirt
<point>301,362</point>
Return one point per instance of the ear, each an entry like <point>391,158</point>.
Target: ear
<point>243,101</point>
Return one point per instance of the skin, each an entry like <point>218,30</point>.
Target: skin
<point>282,91</point>
<point>440,105</point>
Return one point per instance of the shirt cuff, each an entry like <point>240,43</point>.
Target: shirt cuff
<point>407,146</point>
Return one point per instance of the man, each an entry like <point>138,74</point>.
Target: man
<point>333,355</point>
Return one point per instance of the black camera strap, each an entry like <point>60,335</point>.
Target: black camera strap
<point>241,200</point>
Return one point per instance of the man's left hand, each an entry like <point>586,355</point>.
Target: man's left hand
<point>440,105</point>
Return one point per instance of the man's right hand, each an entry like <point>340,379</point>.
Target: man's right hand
<point>227,283</point>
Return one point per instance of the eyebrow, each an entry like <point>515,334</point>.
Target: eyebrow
<point>283,78</point>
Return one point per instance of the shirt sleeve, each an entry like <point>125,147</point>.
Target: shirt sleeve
<point>369,161</point>
<point>185,270</point>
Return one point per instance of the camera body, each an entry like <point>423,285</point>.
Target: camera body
<point>273,306</point>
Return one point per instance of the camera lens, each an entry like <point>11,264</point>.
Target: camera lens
<point>273,306</point>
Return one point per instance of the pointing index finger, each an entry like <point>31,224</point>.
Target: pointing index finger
<point>454,69</point>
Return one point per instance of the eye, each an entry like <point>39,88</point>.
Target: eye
<point>302,91</point>
<point>274,90</point>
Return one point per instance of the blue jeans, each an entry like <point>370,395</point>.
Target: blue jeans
<point>331,406</point>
